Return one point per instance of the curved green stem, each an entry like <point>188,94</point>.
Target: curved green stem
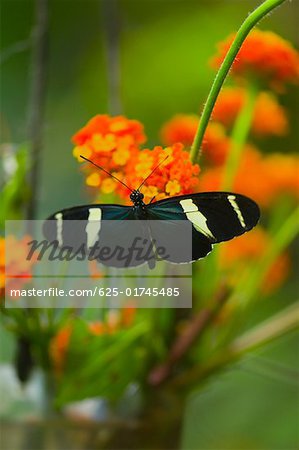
<point>241,35</point>
<point>239,136</point>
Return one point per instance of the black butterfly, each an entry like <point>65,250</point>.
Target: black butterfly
<point>212,217</point>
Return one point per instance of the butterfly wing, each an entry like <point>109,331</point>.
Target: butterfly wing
<point>105,232</point>
<point>82,222</point>
<point>85,212</point>
<point>215,217</point>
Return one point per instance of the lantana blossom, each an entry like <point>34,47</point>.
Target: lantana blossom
<point>269,117</point>
<point>177,175</point>
<point>114,144</point>
<point>263,178</point>
<point>109,142</point>
<point>263,55</point>
<point>15,268</point>
<point>182,128</point>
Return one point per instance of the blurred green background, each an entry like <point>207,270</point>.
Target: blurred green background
<point>164,48</point>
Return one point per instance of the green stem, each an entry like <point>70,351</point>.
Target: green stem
<point>239,136</point>
<point>253,18</point>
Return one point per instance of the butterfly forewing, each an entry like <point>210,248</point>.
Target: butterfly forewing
<point>105,233</point>
<point>82,224</point>
<point>217,216</point>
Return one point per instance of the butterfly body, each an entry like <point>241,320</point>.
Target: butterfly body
<point>139,207</point>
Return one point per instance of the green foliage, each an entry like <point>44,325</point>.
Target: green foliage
<point>15,192</point>
<point>95,363</point>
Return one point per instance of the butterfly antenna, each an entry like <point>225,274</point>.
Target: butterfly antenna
<point>160,163</point>
<point>106,171</point>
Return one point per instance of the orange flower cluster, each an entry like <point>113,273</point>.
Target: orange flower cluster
<point>13,261</point>
<point>238,253</point>
<point>176,176</point>
<point>114,144</point>
<point>265,55</point>
<point>263,178</point>
<point>115,321</point>
<point>182,128</point>
<point>269,118</point>
<point>108,142</point>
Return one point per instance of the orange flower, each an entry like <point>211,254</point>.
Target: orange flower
<point>176,176</point>
<point>128,315</point>
<point>268,118</point>
<point>97,328</point>
<point>263,178</point>
<point>283,171</point>
<point>58,347</point>
<point>228,105</point>
<point>182,128</point>
<point>238,253</point>
<point>215,144</point>
<point>110,130</point>
<point>263,54</point>
<point>173,188</point>
<point>13,262</point>
<point>109,142</point>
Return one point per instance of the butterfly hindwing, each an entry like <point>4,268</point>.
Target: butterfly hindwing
<point>181,241</point>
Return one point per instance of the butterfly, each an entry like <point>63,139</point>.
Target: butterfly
<point>186,225</point>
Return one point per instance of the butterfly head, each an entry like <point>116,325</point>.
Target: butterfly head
<point>137,197</point>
